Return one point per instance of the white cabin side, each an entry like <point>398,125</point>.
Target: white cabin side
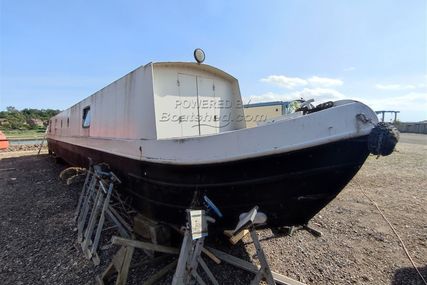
<point>134,106</point>
<point>192,99</point>
<point>124,109</point>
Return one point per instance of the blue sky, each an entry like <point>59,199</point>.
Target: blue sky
<point>55,53</point>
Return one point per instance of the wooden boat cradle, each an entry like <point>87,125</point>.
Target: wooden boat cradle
<point>95,205</point>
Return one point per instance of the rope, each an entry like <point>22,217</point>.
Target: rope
<point>395,232</point>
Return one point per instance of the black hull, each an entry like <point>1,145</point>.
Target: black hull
<point>290,187</point>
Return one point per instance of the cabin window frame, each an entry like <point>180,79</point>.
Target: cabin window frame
<point>68,122</point>
<point>86,113</point>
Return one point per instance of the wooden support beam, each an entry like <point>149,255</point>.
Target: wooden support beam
<point>240,263</point>
<point>282,279</point>
<point>235,238</point>
<point>120,264</point>
<point>144,245</point>
<point>123,272</point>
<point>211,256</point>
<point>159,274</point>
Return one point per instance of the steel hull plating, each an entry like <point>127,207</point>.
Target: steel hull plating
<point>290,187</point>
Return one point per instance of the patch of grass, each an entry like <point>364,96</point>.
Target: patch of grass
<point>12,134</point>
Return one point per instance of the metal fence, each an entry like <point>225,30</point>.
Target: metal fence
<point>418,128</point>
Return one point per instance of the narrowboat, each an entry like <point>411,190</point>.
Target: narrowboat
<point>173,131</point>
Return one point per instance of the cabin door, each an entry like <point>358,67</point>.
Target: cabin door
<point>209,117</point>
<point>188,107</point>
<point>198,109</point>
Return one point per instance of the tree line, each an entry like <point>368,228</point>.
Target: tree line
<point>25,119</point>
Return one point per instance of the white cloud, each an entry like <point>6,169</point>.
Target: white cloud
<point>350,68</point>
<point>413,105</point>
<point>293,82</point>
<point>284,81</point>
<point>318,94</point>
<point>410,99</point>
<point>413,101</point>
<point>324,81</point>
<point>315,87</point>
<point>271,96</point>
<point>393,87</point>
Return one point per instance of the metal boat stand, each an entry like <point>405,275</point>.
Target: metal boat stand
<point>190,257</point>
<point>247,225</point>
<point>186,265</point>
<point>192,247</point>
<point>93,207</point>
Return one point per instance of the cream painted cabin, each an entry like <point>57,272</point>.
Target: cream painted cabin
<point>157,101</point>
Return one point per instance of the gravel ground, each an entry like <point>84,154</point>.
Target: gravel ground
<point>23,147</point>
<point>37,237</point>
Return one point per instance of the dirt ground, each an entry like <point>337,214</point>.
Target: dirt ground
<point>37,237</point>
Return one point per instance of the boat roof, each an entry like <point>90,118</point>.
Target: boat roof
<point>202,66</point>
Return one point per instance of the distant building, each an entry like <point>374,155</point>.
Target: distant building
<point>261,112</point>
<point>413,127</point>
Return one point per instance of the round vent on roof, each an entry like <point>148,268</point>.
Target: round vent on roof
<point>199,55</point>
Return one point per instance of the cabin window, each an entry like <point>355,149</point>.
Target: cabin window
<point>86,117</point>
<point>68,122</point>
